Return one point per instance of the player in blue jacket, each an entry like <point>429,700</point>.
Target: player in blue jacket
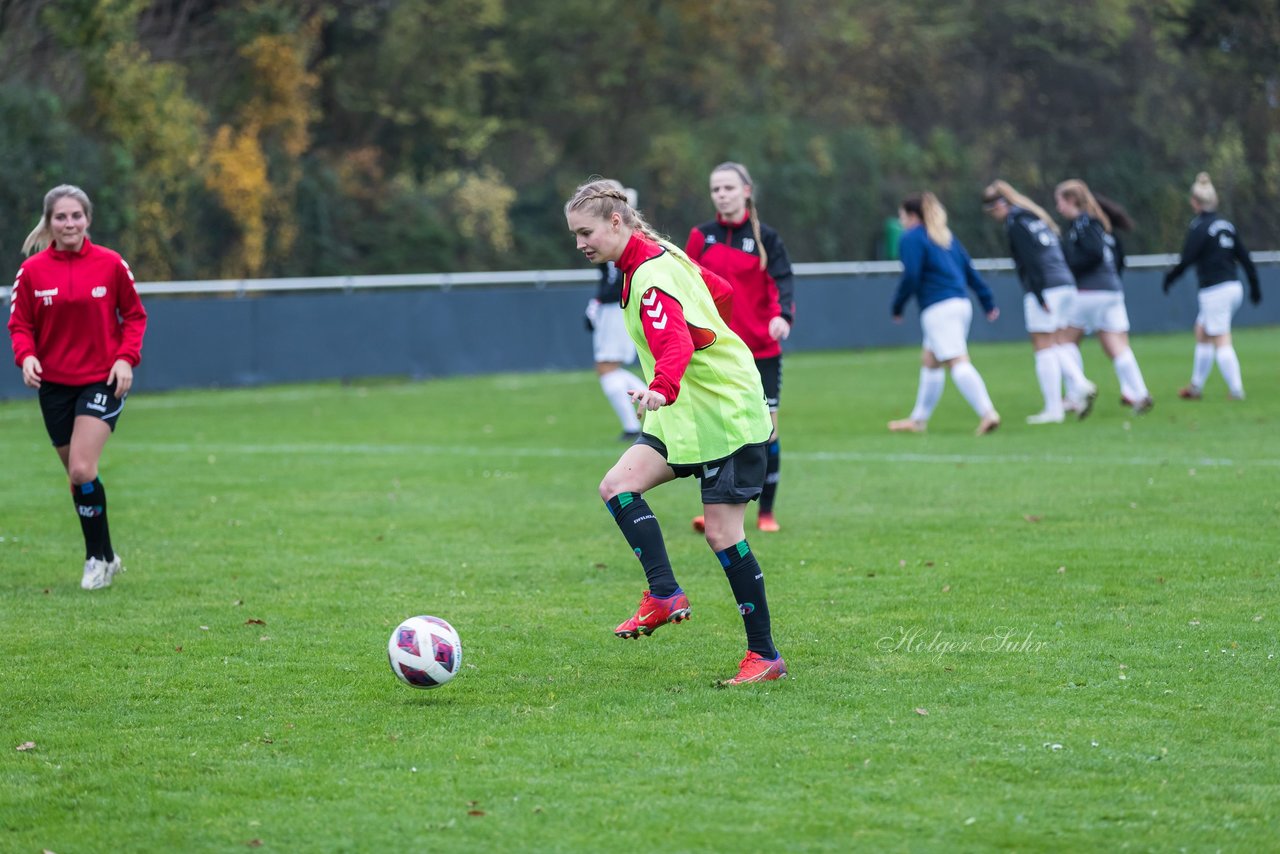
<point>936,269</point>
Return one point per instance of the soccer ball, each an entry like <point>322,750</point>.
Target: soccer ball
<point>425,652</point>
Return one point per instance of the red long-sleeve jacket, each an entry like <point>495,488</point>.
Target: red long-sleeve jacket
<point>729,249</point>
<point>77,312</point>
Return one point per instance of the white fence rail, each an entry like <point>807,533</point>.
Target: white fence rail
<point>544,278</point>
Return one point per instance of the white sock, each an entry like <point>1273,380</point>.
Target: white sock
<point>1202,366</point>
<point>932,382</point>
<point>1049,373</point>
<point>1072,369</point>
<point>616,384</point>
<point>969,381</point>
<point>1132,385</point>
<point>1229,364</point>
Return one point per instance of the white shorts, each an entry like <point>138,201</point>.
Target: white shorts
<point>1059,300</point>
<point>610,340</point>
<point>1099,311</point>
<point>946,326</point>
<point>1217,304</point>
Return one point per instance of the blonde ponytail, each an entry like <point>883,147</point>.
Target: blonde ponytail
<point>998,189</point>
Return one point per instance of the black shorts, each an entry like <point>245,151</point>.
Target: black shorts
<point>60,404</point>
<point>736,479</point>
<point>771,378</point>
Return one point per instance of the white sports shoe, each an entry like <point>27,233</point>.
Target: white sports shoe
<point>114,568</point>
<point>95,574</point>
<point>1046,418</point>
<point>1082,405</point>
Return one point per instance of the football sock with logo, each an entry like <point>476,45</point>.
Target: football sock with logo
<point>746,579</point>
<point>644,535</point>
<point>91,506</point>
<point>771,474</point>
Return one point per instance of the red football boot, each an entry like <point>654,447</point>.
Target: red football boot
<point>654,612</point>
<point>757,668</point>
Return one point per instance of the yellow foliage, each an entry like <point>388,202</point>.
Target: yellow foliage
<point>237,175</point>
<point>282,100</point>
<point>480,203</point>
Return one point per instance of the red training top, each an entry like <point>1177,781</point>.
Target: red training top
<point>729,249</point>
<point>77,312</point>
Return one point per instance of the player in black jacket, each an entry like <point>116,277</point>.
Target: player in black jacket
<point>1215,248</point>
<point>1049,291</point>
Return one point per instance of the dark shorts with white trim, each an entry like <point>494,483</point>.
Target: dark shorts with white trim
<point>735,479</point>
<point>62,404</point>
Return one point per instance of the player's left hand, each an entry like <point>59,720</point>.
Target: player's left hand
<point>647,400</point>
<point>122,375</point>
<point>993,315</point>
<point>779,329</point>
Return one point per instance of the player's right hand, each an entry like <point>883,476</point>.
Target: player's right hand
<point>31,371</point>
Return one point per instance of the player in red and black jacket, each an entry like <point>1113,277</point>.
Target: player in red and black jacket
<point>77,323</point>
<point>752,257</point>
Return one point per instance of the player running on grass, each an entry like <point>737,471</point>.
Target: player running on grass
<point>705,416</point>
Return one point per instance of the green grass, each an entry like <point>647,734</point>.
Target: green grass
<point>1108,586</point>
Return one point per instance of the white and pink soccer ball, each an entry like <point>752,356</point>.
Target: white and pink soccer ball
<point>425,652</point>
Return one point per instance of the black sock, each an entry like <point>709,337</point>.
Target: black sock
<point>770,490</point>
<point>91,506</point>
<point>644,535</point>
<point>746,579</point>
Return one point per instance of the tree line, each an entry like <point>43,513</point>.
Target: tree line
<point>250,138</point>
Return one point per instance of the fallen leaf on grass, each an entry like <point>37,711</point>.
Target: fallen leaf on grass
<point>254,843</point>
<point>1031,518</point>
<point>475,812</point>
<point>177,649</point>
<point>254,621</point>
<point>928,563</point>
<point>923,712</point>
<point>946,588</point>
<point>25,746</point>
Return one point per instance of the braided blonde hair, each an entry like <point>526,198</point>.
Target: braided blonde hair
<point>603,197</point>
<point>752,211</point>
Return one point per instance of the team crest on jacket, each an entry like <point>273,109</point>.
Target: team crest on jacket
<point>748,244</point>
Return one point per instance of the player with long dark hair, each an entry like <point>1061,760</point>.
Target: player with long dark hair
<point>1095,258</point>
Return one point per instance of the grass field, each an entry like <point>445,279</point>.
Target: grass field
<point>1053,638</point>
